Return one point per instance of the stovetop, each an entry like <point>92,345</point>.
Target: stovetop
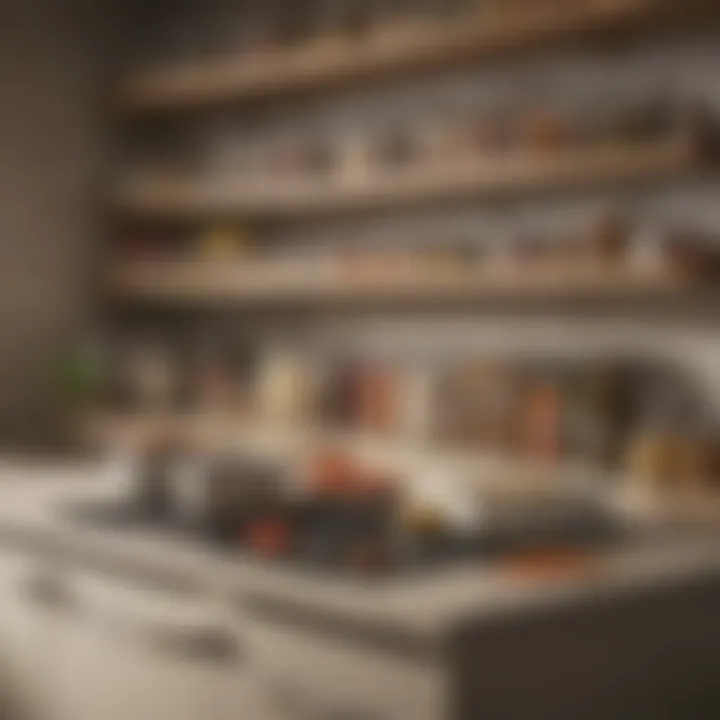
<point>337,549</point>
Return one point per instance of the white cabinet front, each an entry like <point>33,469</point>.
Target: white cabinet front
<point>28,639</point>
<point>140,654</point>
<point>310,671</point>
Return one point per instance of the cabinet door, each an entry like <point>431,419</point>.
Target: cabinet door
<point>310,670</point>
<point>139,653</point>
<point>243,694</point>
<point>28,638</point>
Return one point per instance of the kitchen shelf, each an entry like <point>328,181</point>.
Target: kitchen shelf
<point>223,431</point>
<point>412,47</point>
<point>258,284</point>
<point>213,431</point>
<point>178,197</point>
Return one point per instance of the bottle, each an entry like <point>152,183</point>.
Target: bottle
<point>287,388</point>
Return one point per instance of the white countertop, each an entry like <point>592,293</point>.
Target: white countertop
<point>426,606</point>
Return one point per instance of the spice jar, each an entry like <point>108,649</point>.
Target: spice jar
<point>477,403</point>
<point>545,131</point>
<point>286,388</point>
<point>599,412</point>
<point>609,237</point>
<point>541,436</point>
<point>153,377</point>
<point>355,158</point>
<point>222,242</point>
<point>378,399</point>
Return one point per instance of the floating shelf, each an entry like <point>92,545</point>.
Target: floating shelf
<point>221,431</point>
<point>391,51</point>
<point>256,284</point>
<point>510,175</point>
<point>217,430</point>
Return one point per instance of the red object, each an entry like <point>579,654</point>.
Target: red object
<point>550,563</point>
<point>543,423</point>
<point>334,472</point>
<point>339,475</point>
<point>269,537</point>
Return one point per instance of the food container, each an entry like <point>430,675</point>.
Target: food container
<point>541,416</point>
<point>609,238</point>
<point>545,131</point>
<point>443,142</point>
<point>437,501</point>
<point>599,412</point>
<point>396,150</point>
<point>224,242</point>
<point>477,405</point>
<point>152,377</point>
<point>287,388</point>
<point>648,121</point>
<point>218,495</point>
<point>673,461</point>
<point>692,255</point>
<point>355,158</point>
<point>220,380</point>
<point>378,399</point>
<point>417,403</point>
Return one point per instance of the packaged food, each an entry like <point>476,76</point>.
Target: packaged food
<point>152,376</point>
<point>599,412</point>
<point>355,158</point>
<point>221,242</point>
<point>692,254</point>
<point>286,388</point>
<point>610,236</point>
<point>477,404</point>
<point>541,436</point>
<point>378,399</point>
<point>545,131</point>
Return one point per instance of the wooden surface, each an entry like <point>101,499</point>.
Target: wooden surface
<point>405,48</point>
<point>175,196</point>
<point>258,284</point>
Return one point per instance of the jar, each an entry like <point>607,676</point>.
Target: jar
<point>286,388</point>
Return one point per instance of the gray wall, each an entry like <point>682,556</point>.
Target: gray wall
<point>50,152</point>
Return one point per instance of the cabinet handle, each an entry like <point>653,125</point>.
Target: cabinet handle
<point>47,591</point>
<point>211,642</point>
<point>209,645</point>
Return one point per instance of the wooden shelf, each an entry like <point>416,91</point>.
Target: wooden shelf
<point>218,430</point>
<point>256,284</point>
<point>391,51</point>
<point>185,198</point>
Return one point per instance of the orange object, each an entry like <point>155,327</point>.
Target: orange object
<point>542,426</point>
<point>334,472</point>
<point>545,131</point>
<point>338,473</point>
<point>549,563</point>
<point>270,537</point>
<point>377,400</point>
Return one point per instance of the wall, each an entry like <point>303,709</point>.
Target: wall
<point>50,155</point>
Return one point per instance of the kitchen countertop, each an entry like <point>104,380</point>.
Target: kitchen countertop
<point>420,609</point>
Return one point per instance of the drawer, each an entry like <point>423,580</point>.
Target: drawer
<point>327,669</point>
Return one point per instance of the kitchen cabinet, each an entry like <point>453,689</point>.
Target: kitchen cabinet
<point>28,634</point>
<point>311,666</point>
<point>133,651</point>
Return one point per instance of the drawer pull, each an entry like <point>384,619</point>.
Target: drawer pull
<point>214,646</point>
<point>47,591</point>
